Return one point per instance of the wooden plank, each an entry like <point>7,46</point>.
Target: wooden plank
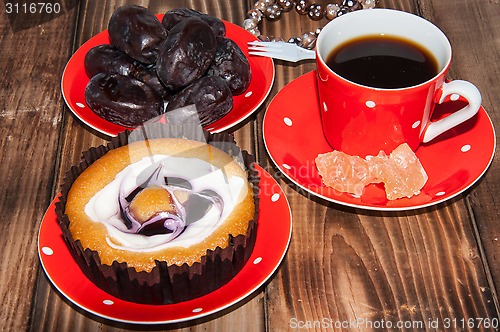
<point>30,119</point>
<point>50,310</point>
<point>419,268</point>
<point>344,266</point>
<point>479,64</point>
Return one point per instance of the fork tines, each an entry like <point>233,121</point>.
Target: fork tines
<point>280,50</point>
<point>262,47</point>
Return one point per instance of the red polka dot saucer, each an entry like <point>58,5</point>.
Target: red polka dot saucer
<point>454,161</point>
<point>74,80</point>
<point>273,237</point>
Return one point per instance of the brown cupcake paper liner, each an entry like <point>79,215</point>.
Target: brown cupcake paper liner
<point>165,283</point>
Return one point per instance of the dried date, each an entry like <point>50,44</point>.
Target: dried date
<point>210,95</point>
<point>137,32</point>
<point>231,64</point>
<point>186,54</point>
<point>174,16</point>
<point>122,100</point>
<point>148,75</point>
<point>108,59</point>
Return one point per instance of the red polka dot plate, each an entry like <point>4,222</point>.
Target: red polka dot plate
<point>273,237</point>
<point>74,80</point>
<point>454,161</point>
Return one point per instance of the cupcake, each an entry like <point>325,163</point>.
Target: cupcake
<point>162,214</point>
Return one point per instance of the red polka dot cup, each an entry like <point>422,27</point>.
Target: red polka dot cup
<point>362,120</point>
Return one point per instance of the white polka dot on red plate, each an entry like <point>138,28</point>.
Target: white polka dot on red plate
<point>286,166</point>
<point>454,97</point>
<point>257,260</point>
<point>275,197</point>
<point>441,193</point>
<point>325,108</point>
<point>288,121</point>
<point>248,94</point>
<point>47,251</point>
<point>465,148</point>
<point>415,124</point>
<point>370,104</point>
<point>198,310</point>
<point>108,302</point>
<point>80,105</point>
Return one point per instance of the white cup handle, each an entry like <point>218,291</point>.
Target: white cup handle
<point>468,91</point>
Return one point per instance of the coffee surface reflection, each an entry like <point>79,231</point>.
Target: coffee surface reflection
<point>387,62</point>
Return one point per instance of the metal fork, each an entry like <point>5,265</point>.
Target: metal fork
<point>281,50</point>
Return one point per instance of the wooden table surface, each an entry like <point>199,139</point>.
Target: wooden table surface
<point>437,264</point>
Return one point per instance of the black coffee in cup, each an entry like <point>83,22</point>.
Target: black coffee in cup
<point>382,61</point>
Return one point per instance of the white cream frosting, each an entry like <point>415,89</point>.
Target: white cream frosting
<point>104,205</point>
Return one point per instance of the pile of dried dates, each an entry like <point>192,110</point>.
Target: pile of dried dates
<point>183,60</point>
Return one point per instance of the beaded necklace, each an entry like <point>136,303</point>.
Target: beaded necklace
<point>273,9</point>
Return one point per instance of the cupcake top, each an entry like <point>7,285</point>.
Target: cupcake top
<point>161,199</point>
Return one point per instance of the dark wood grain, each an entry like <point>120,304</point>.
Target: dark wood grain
<point>416,268</point>
<point>343,264</point>
<point>476,59</point>
<point>77,137</point>
<point>30,122</point>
